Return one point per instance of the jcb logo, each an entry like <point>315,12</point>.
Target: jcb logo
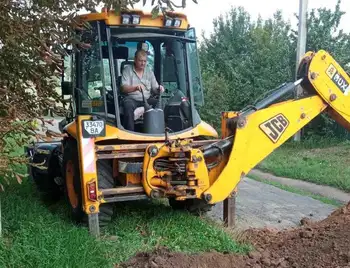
<point>274,127</point>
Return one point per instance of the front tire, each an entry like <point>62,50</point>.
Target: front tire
<point>73,185</point>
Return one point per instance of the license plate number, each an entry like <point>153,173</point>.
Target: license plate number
<point>93,128</point>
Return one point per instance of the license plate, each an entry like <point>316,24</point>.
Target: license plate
<point>94,128</point>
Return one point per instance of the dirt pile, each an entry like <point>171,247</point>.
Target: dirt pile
<point>314,244</point>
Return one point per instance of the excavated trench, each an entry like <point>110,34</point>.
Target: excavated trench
<point>320,244</point>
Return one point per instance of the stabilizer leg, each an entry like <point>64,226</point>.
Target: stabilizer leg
<point>94,227</point>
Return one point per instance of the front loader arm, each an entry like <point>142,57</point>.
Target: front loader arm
<point>258,131</point>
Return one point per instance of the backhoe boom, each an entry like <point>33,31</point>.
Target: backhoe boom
<point>258,131</point>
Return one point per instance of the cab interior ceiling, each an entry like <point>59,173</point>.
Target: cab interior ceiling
<point>168,31</point>
<point>151,36</point>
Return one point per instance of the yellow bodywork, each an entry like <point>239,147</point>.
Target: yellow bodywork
<point>252,142</point>
<point>112,132</point>
<point>197,170</point>
<point>87,176</point>
<point>196,181</point>
<point>146,20</point>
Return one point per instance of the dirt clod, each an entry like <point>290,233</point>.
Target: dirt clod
<point>305,221</point>
<point>319,244</point>
<point>254,255</point>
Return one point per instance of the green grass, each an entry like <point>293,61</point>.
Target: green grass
<point>298,191</point>
<point>322,162</point>
<point>41,235</point>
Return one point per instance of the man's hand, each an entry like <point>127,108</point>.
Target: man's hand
<point>161,89</point>
<point>140,87</point>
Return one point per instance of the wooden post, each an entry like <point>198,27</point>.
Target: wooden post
<point>230,210</point>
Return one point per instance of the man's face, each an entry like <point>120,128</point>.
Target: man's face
<point>140,62</point>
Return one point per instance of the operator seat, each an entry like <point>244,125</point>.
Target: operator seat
<point>139,110</point>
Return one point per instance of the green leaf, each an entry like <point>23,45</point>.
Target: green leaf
<point>117,9</point>
<point>155,11</point>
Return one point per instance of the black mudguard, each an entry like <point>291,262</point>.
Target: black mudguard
<point>47,156</point>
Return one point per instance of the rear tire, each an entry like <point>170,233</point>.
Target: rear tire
<point>44,181</point>
<point>72,180</point>
<point>194,206</point>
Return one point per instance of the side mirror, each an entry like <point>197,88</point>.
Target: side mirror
<point>67,88</point>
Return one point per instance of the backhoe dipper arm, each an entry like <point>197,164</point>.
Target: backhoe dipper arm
<point>258,131</point>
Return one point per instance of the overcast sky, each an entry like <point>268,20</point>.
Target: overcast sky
<point>201,15</point>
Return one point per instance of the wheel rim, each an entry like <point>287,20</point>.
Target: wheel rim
<point>72,195</point>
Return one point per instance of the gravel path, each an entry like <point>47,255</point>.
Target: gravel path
<point>263,205</point>
<point>323,190</point>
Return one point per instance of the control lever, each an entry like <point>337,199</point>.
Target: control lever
<point>145,103</point>
<point>159,104</point>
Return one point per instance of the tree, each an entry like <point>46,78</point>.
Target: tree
<point>249,57</point>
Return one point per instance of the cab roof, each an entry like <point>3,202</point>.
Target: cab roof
<point>111,18</point>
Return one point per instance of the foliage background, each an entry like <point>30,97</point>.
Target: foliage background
<point>243,59</point>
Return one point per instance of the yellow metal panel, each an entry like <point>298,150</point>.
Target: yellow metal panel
<point>265,130</point>
<point>332,83</point>
<point>133,178</point>
<point>215,172</point>
<point>71,129</point>
<point>203,129</point>
<point>87,176</point>
<point>146,19</point>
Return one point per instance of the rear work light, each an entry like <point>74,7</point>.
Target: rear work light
<point>92,191</point>
<point>177,22</point>
<point>135,19</point>
<point>126,19</point>
<point>130,19</point>
<point>169,22</point>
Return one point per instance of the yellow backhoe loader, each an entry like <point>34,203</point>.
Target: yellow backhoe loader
<point>172,153</point>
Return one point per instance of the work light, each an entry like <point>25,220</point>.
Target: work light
<point>168,22</point>
<point>177,22</point>
<point>135,19</point>
<point>125,19</point>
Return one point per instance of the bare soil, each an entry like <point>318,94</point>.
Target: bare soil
<point>319,244</point>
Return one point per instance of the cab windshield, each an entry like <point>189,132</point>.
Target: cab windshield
<point>169,58</point>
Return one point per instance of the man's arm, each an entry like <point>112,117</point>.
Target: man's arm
<point>154,83</point>
<point>126,83</point>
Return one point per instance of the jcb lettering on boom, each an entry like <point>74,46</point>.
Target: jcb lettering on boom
<point>274,127</point>
<point>337,78</point>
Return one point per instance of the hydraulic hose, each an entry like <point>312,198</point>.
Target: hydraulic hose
<point>218,148</point>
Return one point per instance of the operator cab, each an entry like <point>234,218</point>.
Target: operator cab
<point>172,56</point>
